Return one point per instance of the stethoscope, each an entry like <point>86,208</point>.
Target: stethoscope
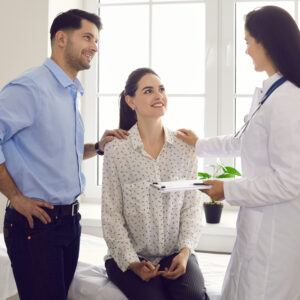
<point>273,87</point>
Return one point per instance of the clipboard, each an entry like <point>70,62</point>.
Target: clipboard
<point>180,185</point>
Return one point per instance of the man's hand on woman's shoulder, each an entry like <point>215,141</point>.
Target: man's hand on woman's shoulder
<point>109,135</point>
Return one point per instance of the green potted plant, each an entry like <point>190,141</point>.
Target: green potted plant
<point>213,209</point>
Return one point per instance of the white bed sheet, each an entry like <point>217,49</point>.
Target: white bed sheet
<point>90,280</point>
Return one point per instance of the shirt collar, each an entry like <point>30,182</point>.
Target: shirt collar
<point>268,82</point>
<point>61,76</point>
<point>169,136</point>
<point>137,141</point>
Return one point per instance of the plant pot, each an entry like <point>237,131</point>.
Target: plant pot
<point>213,212</point>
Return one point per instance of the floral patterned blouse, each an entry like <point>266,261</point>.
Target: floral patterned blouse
<point>137,219</point>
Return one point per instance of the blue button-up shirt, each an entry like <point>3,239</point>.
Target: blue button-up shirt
<point>42,134</point>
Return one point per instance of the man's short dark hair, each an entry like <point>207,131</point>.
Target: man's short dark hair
<point>71,19</point>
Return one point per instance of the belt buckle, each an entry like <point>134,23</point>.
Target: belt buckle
<point>75,207</point>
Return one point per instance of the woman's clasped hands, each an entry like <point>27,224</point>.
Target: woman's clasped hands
<point>146,270</point>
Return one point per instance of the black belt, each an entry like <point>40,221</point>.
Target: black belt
<point>66,210</point>
<point>61,210</point>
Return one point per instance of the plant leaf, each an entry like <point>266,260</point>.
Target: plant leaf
<point>232,171</point>
<point>203,175</point>
<point>225,176</point>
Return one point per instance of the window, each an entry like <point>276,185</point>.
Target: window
<point>196,46</point>
<point>168,37</point>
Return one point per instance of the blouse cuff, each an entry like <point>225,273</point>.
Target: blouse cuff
<point>125,261</point>
<point>187,244</point>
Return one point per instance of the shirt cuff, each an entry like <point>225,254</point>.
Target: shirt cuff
<point>2,157</point>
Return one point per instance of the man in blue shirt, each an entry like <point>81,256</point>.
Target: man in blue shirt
<point>41,152</point>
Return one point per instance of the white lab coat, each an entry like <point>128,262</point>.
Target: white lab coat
<point>265,262</point>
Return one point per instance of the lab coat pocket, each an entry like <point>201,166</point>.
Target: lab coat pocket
<point>248,230</point>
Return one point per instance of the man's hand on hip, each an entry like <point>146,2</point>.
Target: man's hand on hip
<point>29,208</point>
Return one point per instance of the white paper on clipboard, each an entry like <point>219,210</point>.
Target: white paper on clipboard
<point>180,185</point>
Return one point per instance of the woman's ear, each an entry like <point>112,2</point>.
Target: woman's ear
<point>129,102</point>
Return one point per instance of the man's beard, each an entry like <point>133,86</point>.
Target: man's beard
<point>76,63</point>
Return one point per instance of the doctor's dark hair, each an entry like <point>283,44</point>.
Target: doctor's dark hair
<point>280,36</point>
<point>127,115</point>
<point>71,19</point>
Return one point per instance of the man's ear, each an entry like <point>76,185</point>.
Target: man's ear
<point>129,101</point>
<point>61,38</point>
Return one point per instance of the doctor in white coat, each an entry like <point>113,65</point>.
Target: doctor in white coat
<point>265,262</point>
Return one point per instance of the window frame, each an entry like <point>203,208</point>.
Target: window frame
<point>220,95</point>
<point>90,81</point>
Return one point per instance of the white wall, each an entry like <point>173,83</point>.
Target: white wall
<point>57,6</point>
<point>24,31</point>
<point>23,28</point>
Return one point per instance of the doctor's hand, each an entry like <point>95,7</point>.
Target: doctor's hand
<point>178,265</point>
<point>29,208</point>
<point>187,136</point>
<point>109,135</point>
<point>216,192</point>
<point>145,270</point>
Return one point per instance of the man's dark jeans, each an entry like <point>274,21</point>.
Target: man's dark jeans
<point>43,259</point>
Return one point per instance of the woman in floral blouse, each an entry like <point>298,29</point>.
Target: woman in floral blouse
<point>150,235</point>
